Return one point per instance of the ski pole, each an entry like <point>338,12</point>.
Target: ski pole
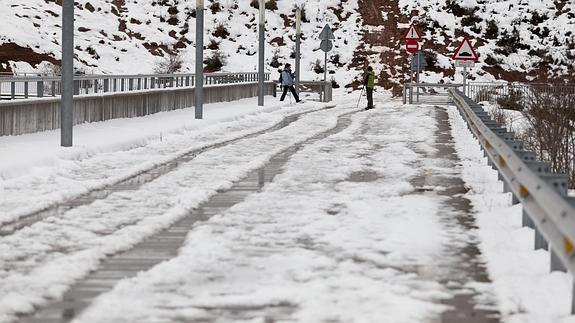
<point>360,95</point>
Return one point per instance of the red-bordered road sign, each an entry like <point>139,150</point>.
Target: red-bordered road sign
<point>412,33</point>
<point>412,46</point>
<point>465,52</point>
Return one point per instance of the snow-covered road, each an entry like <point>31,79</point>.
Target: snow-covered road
<point>342,235</point>
<point>373,223</point>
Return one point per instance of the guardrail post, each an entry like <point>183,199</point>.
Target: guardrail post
<point>25,90</point>
<point>13,90</point>
<point>40,89</point>
<point>560,183</point>
<point>556,264</point>
<point>122,84</point>
<point>540,242</point>
<point>526,220</point>
<point>53,90</point>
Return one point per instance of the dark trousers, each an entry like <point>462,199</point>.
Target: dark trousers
<point>292,90</point>
<point>369,93</point>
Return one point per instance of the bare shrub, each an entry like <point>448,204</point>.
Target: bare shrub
<point>171,64</point>
<point>512,101</point>
<point>215,62</point>
<point>317,67</point>
<point>221,31</point>
<point>275,63</point>
<point>551,116</point>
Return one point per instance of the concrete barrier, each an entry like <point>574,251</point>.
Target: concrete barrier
<point>27,116</point>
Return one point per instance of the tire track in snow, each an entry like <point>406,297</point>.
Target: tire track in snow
<point>134,182</point>
<point>48,256</point>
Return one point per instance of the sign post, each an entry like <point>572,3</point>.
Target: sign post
<point>465,56</point>
<point>199,85</point>
<point>326,45</point>
<point>412,37</point>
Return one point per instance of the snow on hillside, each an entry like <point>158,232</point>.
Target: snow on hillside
<point>517,40</point>
<point>132,36</point>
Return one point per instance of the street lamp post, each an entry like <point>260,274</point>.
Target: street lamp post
<point>297,47</point>
<point>261,76</point>
<point>199,84</point>
<point>67,100</point>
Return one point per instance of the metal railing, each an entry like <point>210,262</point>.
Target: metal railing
<point>324,89</point>
<point>512,95</point>
<point>18,87</point>
<point>546,207</point>
<point>428,93</point>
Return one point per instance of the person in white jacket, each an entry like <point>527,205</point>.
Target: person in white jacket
<point>287,81</point>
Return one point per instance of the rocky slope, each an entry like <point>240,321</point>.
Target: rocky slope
<point>518,40</point>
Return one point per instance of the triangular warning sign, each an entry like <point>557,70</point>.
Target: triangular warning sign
<point>412,33</point>
<point>465,52</point>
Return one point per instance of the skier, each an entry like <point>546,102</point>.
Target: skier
<point>369,83</point>
<point>287,81</point>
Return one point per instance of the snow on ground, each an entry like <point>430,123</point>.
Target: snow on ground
<point>42,260</point>
<point>525,289</point>
<point>35,172</point>
<point>315,244</point>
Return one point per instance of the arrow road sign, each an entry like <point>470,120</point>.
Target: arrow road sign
<point>326,33</point>
<point>326,45</point>
<point>465,52</point>
<point>412,33</point>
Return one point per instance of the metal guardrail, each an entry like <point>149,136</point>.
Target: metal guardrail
<point>18,87</point>
<point>543,195</point>
<point>428,93</point>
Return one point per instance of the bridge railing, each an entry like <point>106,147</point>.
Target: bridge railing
<point>514,96</point>
<point>39,114</point>
<point>546,207</point>
<point>428,93</point>
<point>24,87</point>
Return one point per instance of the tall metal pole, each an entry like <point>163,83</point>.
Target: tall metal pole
<point>464,80</point>
<point>67,101</point>
<point>199,84</point>
<point>261,53</point>
<point>325,67</point>
<point>418,55</point>
<point>297,47</point>
<point>411,79</point>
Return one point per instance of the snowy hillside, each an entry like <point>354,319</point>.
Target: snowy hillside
<point>516,39</point>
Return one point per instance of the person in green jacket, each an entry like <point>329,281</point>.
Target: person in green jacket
<point>369,83</point>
